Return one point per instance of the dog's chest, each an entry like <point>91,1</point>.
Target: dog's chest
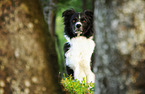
<point>82,45</point>
<point>80,51</point>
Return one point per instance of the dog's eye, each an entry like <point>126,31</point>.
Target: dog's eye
<point>73,21</point>
<point>83,20</point>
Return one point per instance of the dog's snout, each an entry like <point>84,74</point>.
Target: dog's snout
<point>78,25</point>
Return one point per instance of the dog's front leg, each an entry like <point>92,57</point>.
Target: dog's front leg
<point>90,76</point>
<point>79,74</point>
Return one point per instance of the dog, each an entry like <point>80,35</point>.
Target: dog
<point>80,46</point>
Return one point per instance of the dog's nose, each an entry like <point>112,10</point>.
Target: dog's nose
<point>78,25</point>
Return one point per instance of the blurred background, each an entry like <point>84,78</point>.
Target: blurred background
<point>32,39</point>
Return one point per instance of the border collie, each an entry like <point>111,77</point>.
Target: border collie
<point>80,45</point>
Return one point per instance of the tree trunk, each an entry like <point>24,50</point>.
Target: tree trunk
<point>84,5</point>
<point>52,17</point>
<point>51,25</point>
<point>28,60</point>
<point>120,46</point>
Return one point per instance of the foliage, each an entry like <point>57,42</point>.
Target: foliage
<point>76,87</point>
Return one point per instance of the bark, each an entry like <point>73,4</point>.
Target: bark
<point>120,46</point>
<point>52,17</point>
<point>28,60</point>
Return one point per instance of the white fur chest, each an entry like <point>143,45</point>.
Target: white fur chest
<point>78,57</point>
<point>80,52</point>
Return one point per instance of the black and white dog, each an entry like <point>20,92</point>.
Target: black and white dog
<point>80,45</point>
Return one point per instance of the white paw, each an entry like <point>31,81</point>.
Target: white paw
<point>91,77</point>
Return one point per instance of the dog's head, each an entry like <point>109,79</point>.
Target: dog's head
<point>77,23</point>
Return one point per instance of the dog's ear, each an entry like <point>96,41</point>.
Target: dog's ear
<point>88,13</point>
<point>68,13</point>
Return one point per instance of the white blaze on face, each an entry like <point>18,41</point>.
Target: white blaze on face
<point>77,24</point>
<point>79,16</point>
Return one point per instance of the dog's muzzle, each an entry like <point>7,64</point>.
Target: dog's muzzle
<point>78,27</point>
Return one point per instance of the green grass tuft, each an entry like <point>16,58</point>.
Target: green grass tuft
<point>76,87</point>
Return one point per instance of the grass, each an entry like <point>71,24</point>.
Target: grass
<point>76,87</point>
